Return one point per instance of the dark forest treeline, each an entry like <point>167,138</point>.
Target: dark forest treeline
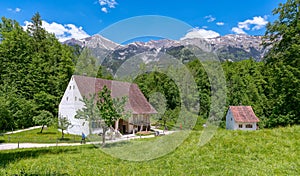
<point>271,87</point>
<point>35,69</point>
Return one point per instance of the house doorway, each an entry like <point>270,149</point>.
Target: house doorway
<point>123,126</point>
<point>124,131</point>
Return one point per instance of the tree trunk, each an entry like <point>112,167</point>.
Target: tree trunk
<point>90,127</point>
<point>141,128</point>
<point>117,124</point>
<point>42,129</point>
<point>111,132</point>
<point>103,136</point>
<point>62,133</point>
<point>133,132</point>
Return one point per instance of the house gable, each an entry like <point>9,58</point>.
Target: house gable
<point>230,122</point>
<point>69,105</point>
<point>72,95</point>
<point>241,117</point>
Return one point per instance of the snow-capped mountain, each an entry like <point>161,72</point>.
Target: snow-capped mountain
<point>228,47</point>
<point>96,41</point>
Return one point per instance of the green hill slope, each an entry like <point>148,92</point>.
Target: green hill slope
<point>263,152</point>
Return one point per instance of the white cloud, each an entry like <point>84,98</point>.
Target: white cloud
<point>220,23</point>
<point>256,23</point>
<point>105,4</point>
<point>104,9</point>
<point>238,30</point>
<point>62,32</point>
<point>102,3</point>
<point>200,33</point>
<point>210,18</point>
<point>27,23</point>
<point>16,10</point>
<point>55,28</point>
<point>109,3</point>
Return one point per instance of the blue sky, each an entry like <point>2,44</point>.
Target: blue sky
<point>81,18</point>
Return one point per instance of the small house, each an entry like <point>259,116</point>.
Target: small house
<point>82,86</point>
<point>241,118</point>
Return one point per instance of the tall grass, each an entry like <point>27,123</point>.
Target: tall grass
<point>264,152</point>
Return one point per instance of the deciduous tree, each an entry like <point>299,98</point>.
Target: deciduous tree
<point>282,65</point>
<point>63,124</point>
<point>44,118</point>
<point>89,112</point>
<point>108,111</point>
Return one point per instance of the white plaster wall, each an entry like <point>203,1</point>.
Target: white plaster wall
<point>235,125</point>
<point>68,106</point>
<point>244,126</point>
<point>230,123</point>
<point>254,126</point>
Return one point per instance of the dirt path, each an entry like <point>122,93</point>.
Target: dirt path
<point>10,146</point>
<point>27,129</point>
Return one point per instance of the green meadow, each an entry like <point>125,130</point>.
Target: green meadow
<point>263,152</point>
<point>49,135</point>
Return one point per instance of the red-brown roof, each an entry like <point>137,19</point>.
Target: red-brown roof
<point>243,114</point>
<point>137,103</point>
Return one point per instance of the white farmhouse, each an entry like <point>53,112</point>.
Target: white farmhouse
<point>241,117</point>
<point>82,86</point>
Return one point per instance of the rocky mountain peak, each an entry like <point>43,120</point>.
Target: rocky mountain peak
<point>229,47</point>
<point>95,41</point>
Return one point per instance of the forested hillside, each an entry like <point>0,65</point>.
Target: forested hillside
<point>35,69</point>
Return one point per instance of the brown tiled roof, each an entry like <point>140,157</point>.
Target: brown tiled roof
<point>243,114</point>
<point>137,103</point>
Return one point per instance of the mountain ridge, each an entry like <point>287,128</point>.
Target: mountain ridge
<point>232,47</point>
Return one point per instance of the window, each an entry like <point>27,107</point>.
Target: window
<point>70,87</point>
<point>231,118</point>
<point>93,124</point>
<point>96,124</point>
<point>249,126</point>
<point>75,98</point>
<point>240,125</point>
<point>73,86</point>
<point>67,98</point>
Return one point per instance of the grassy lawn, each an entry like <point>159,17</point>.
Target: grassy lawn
<point>49,135</point>
<point>263,152</point>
